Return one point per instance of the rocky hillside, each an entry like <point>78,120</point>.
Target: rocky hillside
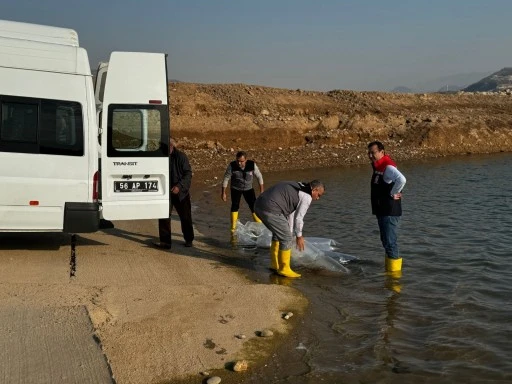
<point>294,129</point>
<point>498,81</point>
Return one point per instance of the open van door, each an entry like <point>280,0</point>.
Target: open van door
<point>135,137</point>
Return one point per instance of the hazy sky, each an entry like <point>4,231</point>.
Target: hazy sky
<point>317,44</point>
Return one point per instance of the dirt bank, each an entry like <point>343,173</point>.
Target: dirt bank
<point>296,129</point>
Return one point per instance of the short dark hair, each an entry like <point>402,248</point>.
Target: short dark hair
<point>240,154</point>
<point>378,144</point>
<point>316,184</point>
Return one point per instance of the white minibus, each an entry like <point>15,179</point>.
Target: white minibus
<point>69,157</point>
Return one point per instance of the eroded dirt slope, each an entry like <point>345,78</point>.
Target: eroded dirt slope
<point>285,129</point>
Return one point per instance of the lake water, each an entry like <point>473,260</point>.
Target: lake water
<point>448,319</point>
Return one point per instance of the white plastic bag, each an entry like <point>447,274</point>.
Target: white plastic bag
<point>319,253</point>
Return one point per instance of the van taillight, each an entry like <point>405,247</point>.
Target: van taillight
<point>95,191</point>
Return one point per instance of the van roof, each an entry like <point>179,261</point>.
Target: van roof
<point>41,48</point>
<point>36,32</point>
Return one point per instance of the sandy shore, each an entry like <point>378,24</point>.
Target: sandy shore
<point>161,316</point>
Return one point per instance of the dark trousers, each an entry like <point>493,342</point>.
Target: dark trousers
<point>236,196</point>
<point>184,209</point>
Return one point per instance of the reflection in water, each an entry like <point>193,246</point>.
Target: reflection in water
<point>445,320</point>
<point>392,307</point>
<point>274,278</point>
<point>393,281</point>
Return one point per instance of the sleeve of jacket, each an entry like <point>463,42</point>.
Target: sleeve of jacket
<point>227,176</point>
<point>305,200</point>
<point>186,172</point>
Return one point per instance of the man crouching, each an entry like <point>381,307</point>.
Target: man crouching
<point>282,209</point>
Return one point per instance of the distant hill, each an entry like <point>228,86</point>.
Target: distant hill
<point>498,81</point>
<point>450,83</point>
<point>402,89</point>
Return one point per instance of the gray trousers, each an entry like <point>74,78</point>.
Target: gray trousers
<point>278,225</point>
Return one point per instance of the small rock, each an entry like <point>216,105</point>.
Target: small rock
<point>241,366</point>
<point>240,336</point>
<point>205,373</point>
<point>266,333</point>
<point>287,315</point>
<point>214,380</point>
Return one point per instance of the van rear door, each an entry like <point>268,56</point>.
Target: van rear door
<point>135,137</point>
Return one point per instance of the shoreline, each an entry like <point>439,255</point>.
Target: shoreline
<point>308,157</point>
<point>209,166</point>
<point>155,316</point>
<point>214,301</point>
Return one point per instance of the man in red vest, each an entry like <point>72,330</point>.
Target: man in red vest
<point>386,196</point>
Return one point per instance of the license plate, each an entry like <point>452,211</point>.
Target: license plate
<point>136,186</point>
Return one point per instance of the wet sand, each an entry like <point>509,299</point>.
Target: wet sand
<point>158,316</point>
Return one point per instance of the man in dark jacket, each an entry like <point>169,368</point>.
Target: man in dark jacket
<point>181,177</point>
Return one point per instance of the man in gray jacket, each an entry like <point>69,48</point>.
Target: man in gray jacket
<point>282,209</point>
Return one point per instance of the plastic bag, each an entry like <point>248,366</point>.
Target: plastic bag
<point>319,253</point>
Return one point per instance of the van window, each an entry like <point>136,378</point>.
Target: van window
<point>128,129</point>
<point>52,127</point>
<point>102,85</point>
<point>138,130</point>
<point>19,122</point>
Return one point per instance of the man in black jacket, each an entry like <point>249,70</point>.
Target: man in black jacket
<point>181,177</point>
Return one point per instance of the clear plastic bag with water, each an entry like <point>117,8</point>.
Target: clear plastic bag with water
<point>319,253</point>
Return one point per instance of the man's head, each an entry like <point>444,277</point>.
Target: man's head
<point>241,158</point>
<point>317,189</point>
<point>375,151</point>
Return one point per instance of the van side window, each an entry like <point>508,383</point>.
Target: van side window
<point>42,126</point>
<point>19,122</point>
<point>102,85</point>
<point>61,130</point>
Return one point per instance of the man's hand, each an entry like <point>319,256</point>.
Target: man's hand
<point>300,243</point>
<point>175,190</point>
<point>397,196</point>
<point>223,196</point>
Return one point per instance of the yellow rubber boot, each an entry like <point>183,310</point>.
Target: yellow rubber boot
<point>284,257</point>
<point>234,218</point>
<point>256,218</point>
<point>274,252</point>
<point>394,267</point>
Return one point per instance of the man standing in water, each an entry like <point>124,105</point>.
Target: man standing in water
<point>386,197</point>
<point>242,173</point>
<point>281,208</point>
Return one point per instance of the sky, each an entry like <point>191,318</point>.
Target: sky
<point>296,44</point>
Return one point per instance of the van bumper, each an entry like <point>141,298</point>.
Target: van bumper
<point>81,217</point>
